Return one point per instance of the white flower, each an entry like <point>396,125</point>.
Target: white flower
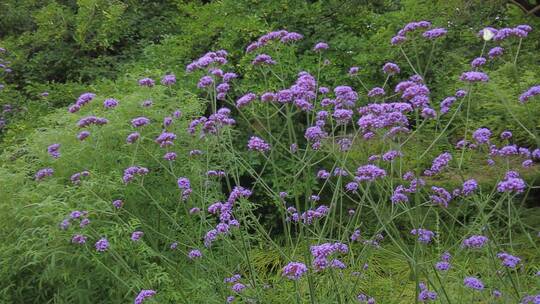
<point>488,34</point>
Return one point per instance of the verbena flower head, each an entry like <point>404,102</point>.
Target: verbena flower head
<point>245,100</point>
<point>168,80</point>
<point>369,173</point>
<point>110,103</point>
<point>512,183</point>
<point>194,254</point>
<point>530,93</point>
<point>475,242</point>
<point>136,235</point>
<point>294,270</point>
<point>434,33</point>
<point>495,52</point>
<point>474,76</point>
<point>473,283</point>
<point>143,295</point>
<point>54,150</point>
<point>424,235</point>
<point>140,121</point>
<point>102,245</point>
<point>478,62</point>
<point>238,287</point>
<point>508,260</point>
<point>262,59</point>
<point>391,68</point>
<point>482,135</point>
<point>43,173</point>
<point>321,46</point>
<point>146,82</point>
<point>258,144</point>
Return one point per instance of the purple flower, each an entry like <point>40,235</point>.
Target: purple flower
<point>469,186</point>
<point>143,295</point>
<point>442,266</point>
<point>170,156</point>
<point>165,139</point>
<point>110,103</point>
<point>205,82</point>
<point>474,76</point>
<point>473,283</point>
<point>263,59</point>
<point>257,144</point>
<point>397,40</point>
<point>129,173</point>
<point>41,174</point>
<point>511,183</point>
<point>439,163</point>
<point>478,62</point>
<point>168,80</point>
<point>369,173</point>
<point>183,183</point>
<point>194,254</point>
<point>530,93</point>
<point>245,100</point>
<point>132,137</point>
<point>506,135</point>
<point>146,82</point>
<point>238,287</point>
<point>140,121</point>
<point>434,33</point>
<point>342,116</point>
<point>91,120</point>
<point>136,235</point>
<point>294,270</point>
<point>508,260</point>
<point>118,204</point>
<point>146,103</point>
<point>83,135</point>
<point>102,245</point>
<point>78,239</point>
<point>424,235</point>
<point>391,68</point>
<point>323,174</point>
<point>53,150</point>
<point>353,70</point>
<point>321,46</point>
<point>376,92</point>
<point>475,241</point>
<point>495,52</point>
<point>482,135</point>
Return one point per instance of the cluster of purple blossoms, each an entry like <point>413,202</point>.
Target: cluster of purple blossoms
<point>165,139</point>
<point>136,235</point>
<point>469,186</point>
<point>424,236</point>
<point>129,173</point>
<point>281,36</point>
<point>474,242</point>
<point>322,252</point>
<point>376,92</point>
<point>147,82</point>
<point>321,46</point>
<point>83,135</point>
<point>530,93</point>
<point>185,185</point>
<point>391,155</point>
<point>79,239</point>
<point>508,260</point>
<point>482,135</point>
<point>257,144</point>
<point>495,52</point>
<point>446,104</point>
<point>194,254</point>
<point>425,295</point>
<point>168,80</point>
<point>520,31</point>
<point>294,270</point>
<point>314,135</point>
<point>323,174</point>
<point>143,295</point>
<point>307,217</point>
<point>440,196</point>
<point>205,82</point>
<point>353,70</point>
<point>444,263</point>
<point>342,116</point>
<point>439,163</point>
<point>41,174</point>
<point>76,178</point>
<point>386,115</point>
<point>473,283</point>
<point>81,101</point>
<point>506,135</point>
<point>362,298</point>
<point>54,150</point>
<point>102,245</point>
<point>410,27</point>
<point>132,137</point>
<point>110,103</point>
<point>169,156</point>
<point>118,204</point>
<point>391,68</point>
<point>147,103</point>
<point>511,183</point>
<point>474,76</point>
<point>263,59</point>
<point>225,212</point>
<point>91,120</point>
<point>245,100</point>
<point>478,62</point>
<point>208,60</point>
<point>434,33</point>
<point>346,97</point>
<point>369,173</point>
<point>213,123</point>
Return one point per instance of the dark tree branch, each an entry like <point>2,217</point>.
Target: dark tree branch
<point>527,7</point>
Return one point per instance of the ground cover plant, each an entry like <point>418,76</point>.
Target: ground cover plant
<point>267,181</point>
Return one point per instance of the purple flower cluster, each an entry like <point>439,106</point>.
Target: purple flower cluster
<point>390,68</point>
<point>424,235</point>
<point>474,76</point>
<point>294,270</point>
<point>281,36</point>
<point>511,183</point>
<point>439,163</point>
<point>307,217</point>
<point>263,59</point>
<point>83,99</point>
<point>473,283</point>
<point>474,242</point>
<point>54,150</point>
<point>213,123</point>
<point>165,139</point>
<point>143,295</point>
<point>257,144</point>
<point>434,33</point>
<point>147,82</point>
<point>129,173</point>
<point>208,60</point>
<point>322,252</point>
<point>194,254</point>
<point>91,120</point>
<point>102,245</point>
<point>425,295</point>
<point>530,93</point>
<point>41,174</point>
<point>495,52</point>
<point>508,260</point>
<point>410,27</point>
<point>369,173</point>
<point>76,178</point>
<point>110,103</point>
<point>385,115</point>
<point>168,80</point>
